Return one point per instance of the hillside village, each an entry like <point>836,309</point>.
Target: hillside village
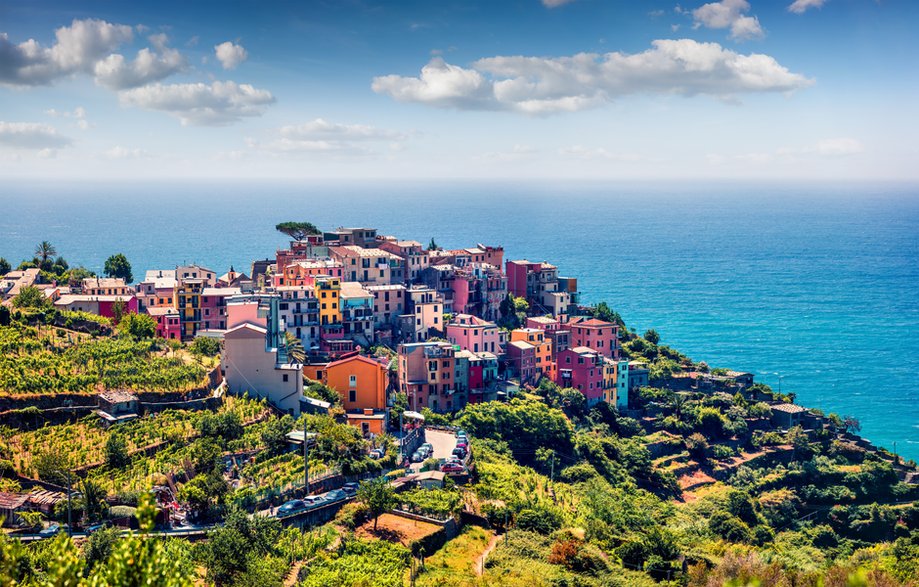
<point>430,415</point>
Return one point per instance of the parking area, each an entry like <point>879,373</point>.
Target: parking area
<point>443,443</point>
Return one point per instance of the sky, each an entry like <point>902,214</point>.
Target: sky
<point>501,89</point>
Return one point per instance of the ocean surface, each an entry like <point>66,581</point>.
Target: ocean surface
<point>812,287</point>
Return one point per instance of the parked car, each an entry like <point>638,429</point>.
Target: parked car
<point>52,530</point>
<point>376,454</point>
<point>428,447</point>
<point>462,444</point>
<point>417,457</point>
<point>96,527</point>
<point>313,501</point>
<point>335,495</point>
<point>350,488</point>
<point>294,505</point>
<point>459,452</point>
<point>452,467</point>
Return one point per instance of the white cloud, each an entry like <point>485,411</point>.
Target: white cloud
<point>119,152</point>
<point>587,153</point>
<point>77,48</point>
<point>729,14</point>
<point>516,153</point>
<point>115,73</point>
<point>31,135</point>
<point>555,3</point>
<point>538,85</point>
<point>320,129</point>
<point>230,55</point>
<point>322,136</point>
<point>213,104</point>
<point>79,114</point>
<point>839,147</point>
<point>801,6</point>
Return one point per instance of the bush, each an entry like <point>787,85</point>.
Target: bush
<point>538,519</point>
<point>730,527</point>
<point>204,346</point>
<point>352,515</point>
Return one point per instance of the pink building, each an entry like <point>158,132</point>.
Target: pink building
<point>474,334</point>
<point>598,335</point>
<point>168,325</point>
<point>581,368</point>
<point>521,359</point>
<point>214,306</point>
<point>96,304</point>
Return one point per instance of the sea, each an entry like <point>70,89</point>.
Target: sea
<point>813,287</point>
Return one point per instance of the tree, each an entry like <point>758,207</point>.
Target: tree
<point>508,310</point>
<point>379,497</point>
<point>118,266</point>
<point>297,230</point>
<point>225,425</point>
<point>44,251</point>
<point>119,309</point>
<point>138,325</point>
<point>53,466</point>
<point>204,346</point>
<point>274,434</point>
<point>94,505</point>
<point>116,452</point>
<point>697,446</point>
<point>295,351</point>
<point>31,297</point>
<point>432,246</point>
<point>652,336</point>
<point>851,424</point>
<point>4,266</point>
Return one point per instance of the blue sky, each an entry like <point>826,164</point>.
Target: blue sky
<point>594,89</point>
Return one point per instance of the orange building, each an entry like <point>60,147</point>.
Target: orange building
<point>545,366</point>
<point>361,383</point>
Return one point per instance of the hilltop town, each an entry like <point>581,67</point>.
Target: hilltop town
<point>431,415</point>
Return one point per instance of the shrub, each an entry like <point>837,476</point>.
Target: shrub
<point>538,519</point>
<point>352,515</point>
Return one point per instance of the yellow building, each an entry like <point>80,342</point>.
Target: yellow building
<point>545,366</point>
<point>328,292</point>
<point>188,303</point>
<point>610,377</point>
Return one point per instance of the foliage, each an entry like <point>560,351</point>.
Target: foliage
<point>295,351</point>
<point>139,326</point>
<point>379,497</point>
<point>204,346</point>
<point>118,266</point>
<point>652,336</point>
<point>297,230</point>
<point>4,266</point>
<point>525,425</point>
<point>31,297</point>
<point>116,452</point>
<point>359,562</point>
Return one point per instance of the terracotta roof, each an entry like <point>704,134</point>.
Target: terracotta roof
<point>12,501</point>
<point>788,408</point>
<point>117,396</point>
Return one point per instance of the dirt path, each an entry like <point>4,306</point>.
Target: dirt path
<point>479,563</point>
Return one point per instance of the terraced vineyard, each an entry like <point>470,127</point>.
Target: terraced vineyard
<point>32,362</point>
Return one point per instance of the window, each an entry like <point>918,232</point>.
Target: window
<point>352,395</point>
<point>284,377</point>
<point>352,381</point>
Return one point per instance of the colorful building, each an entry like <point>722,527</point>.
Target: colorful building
<point>414,256</point>
<point>424,314</point>
<point>168,325</point>
<point>426,374</point>
<point>544,365</point>
<point>101,305</point>
<point>582,368</point>
<point>299,309</point>
<point>304,272</point>
<point>388,304</point>
<point>214,306</point>
<point>598,335</point>
<point>361,382</point>
<point>472,333</point>
<point>521,361</point>
<point>157,290</point>
<point>196,272</point>
<point>357,313</point>
<point>188,303</point>
<point>105,286</point>
<point>369,266</point>
<point>255,356</point>
<point>539,284</point>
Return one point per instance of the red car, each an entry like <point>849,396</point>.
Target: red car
<point>452,468</point>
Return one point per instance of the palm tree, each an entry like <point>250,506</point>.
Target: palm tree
<point>45,250</point>
<point>295,351</point>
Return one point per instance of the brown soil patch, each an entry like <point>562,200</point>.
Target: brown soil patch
<point>394,528</point>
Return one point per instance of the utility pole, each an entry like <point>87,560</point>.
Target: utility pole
<point>552,468</point>
<point>401,439</point>
<point>306,462</point>
<point>69,508</point>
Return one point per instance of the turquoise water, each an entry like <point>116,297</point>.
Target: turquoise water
<point>812,286</point>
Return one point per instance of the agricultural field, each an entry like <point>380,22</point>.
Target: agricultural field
<point>52,361</point>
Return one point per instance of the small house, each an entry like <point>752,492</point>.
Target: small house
<point>787,415</point>
<point>117,406</point>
